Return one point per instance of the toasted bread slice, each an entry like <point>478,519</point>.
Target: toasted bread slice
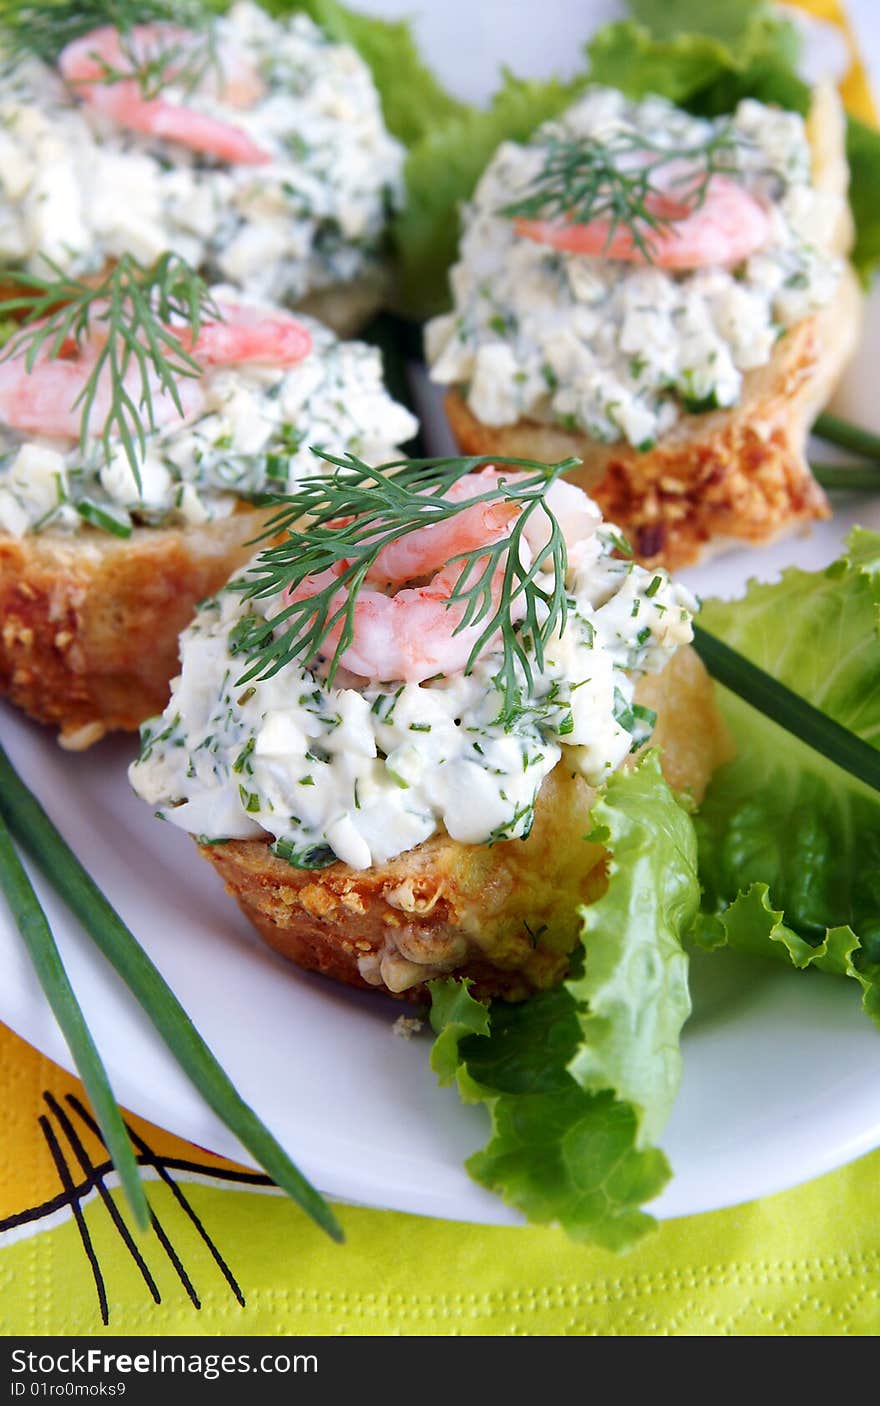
<point>504,915</point>
<point>728,475</point>
<point>89,623</point>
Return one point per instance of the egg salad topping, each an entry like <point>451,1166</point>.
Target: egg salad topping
<point>255,435</point>
<point>361,771</point>
<point>618,347</point>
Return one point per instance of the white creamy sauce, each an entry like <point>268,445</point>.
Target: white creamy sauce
<point>364,771</point>
<point>618,349</point>
<point>255,434</point>
<point>82,190</point>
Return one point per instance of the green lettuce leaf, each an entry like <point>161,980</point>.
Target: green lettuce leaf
<point>734,23</point>
<point>579,1081</point>
<point>789,845</point>
<point>681,50</point>
<point>632,997</point>
<point>627,56</point>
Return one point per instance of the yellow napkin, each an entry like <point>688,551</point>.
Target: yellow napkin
<point>232,1257</point>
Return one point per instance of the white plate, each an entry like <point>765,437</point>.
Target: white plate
<point>781,1070</point>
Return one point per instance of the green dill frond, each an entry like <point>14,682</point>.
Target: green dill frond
<point>138,313</point>
<point>582,181</point>
<point>339,522</point>
<point>43,30</point>
<point>152,67</point>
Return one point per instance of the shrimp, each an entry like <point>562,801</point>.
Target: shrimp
<point>577,515</point>
<point>726,227</point>
<point>96,65</point>
<point>431,547</point>
<point>248,335</point>
<point>414,634</point>
<point>47,398</point>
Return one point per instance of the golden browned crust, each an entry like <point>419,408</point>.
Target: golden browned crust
<point>738,474</point>
<point>89,624</point>
<point>506,916</point>
<point>426,912</point>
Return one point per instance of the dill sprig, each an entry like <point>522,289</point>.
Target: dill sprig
<point>126,315</point>
<point>43,30</point>
<point>582,181</point>
<point>152,67</point>
<point>345,518</point>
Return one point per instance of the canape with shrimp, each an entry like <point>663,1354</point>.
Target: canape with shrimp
<point>249,144</point>
<point>387,733</point>
<point>667,297</point>
<point>141,425</point>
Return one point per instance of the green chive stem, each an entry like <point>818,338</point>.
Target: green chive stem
<point>785,707</point>
<point>847,436</point>
<point>43,951</point>
<point>34,830</point>
<point>848,477</point>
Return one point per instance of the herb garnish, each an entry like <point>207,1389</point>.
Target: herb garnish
<point>352,513</point>
<point>139,356</point>
<point>582,181</point>
<point>788,709</point>
<point>43,951</point>
<point>154,64</point>
<point>33,829</point>
<point>853,437</point>
<point>847,478</point>
<point>42,31</point>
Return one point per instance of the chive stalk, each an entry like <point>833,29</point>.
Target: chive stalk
<point>34,830</point>
<point>861,478</point>
<point>37,936</point>
<point>785,707</point>
<point>847,436</point>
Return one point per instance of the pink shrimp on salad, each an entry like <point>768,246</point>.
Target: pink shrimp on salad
<point>723,228</point>
<point>431,547</point>
<point>414,633</point>
<point>97,67</point>
<point>247,334</point>
<point>47,397</point>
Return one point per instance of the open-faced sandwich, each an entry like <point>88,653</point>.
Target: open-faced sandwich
<point>419,735</point>
<point>251,145</point>
<point>666,297</point>
<point>140,425</point>
<point>387,734</point>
